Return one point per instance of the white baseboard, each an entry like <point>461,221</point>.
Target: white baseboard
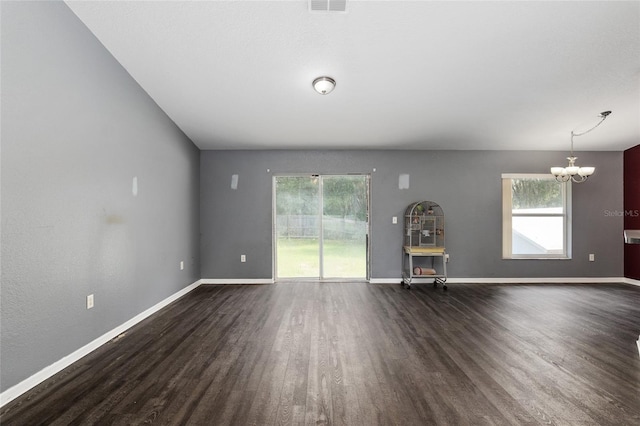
<point>398,280</point>
<point>237,281</point>
<point>632,281</point>
<point>543,280</point>
<point>42,375</point>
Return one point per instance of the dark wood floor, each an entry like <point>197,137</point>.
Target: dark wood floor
<point>361,354</point>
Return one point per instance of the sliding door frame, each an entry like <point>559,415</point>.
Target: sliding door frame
<point>274,235</point>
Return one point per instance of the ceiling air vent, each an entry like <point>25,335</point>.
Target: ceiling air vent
<point>327,5</point>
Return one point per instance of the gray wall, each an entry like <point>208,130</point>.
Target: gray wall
<point>467,184</point>
<point>76,130</point>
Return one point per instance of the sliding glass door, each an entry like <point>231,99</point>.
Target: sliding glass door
<point>321,226</point>
<point>344,227</point>
<point>297,231</point>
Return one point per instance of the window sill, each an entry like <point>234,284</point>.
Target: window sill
<point>536,258</point>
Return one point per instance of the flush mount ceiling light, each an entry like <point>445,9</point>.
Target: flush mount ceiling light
<point>324,85</point>
<point>572,172</point>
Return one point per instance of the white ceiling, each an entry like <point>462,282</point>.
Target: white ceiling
<point>410,74</point>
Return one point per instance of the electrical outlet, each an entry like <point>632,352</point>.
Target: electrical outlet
<point>592,257</point>
<point>394,220</point>
<point>243,258</point>
<point>446,257</point>
<point>90,301</point>
<point>182,265</point>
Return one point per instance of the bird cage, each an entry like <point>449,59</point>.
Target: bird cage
<point>424,243</point>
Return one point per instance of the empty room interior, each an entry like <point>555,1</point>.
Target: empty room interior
<point>320,212</point>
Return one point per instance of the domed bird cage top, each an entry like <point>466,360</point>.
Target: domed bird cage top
<point>424,225</point>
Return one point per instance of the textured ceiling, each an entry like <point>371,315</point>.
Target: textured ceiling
<point>410,74</point>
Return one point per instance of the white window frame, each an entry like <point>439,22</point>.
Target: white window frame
<point>507,215</point>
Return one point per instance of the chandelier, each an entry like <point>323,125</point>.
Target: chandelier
<point>575,173</point>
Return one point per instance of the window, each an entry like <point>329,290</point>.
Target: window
<point>536,219</point>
